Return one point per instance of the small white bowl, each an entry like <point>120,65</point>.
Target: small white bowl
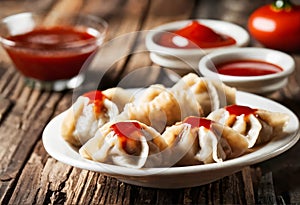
<point>188,59</point>
<point>263,84</point>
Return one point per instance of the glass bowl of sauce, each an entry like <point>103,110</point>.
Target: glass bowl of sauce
<point>180,45</point>
<point>52,55</point>
<point>256,70</point>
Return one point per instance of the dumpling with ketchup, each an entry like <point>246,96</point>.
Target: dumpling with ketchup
<point>89,112</point>
<point>257,125</point>
<point>126,143</point>
<point>119,96</point>
<point>191,95</point>
<point>198,140</point>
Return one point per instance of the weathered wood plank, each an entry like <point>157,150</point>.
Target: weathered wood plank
<point>99,193</point>
<point>248,185</point>
<point>62,10</point>
<point>75,182</point>
<point>292,90</point>
<point>19,133</point>
<point>169,196</point>
<point>110,60</point>
<point>159,13</point>
<point>285,170</point>
<point>5,104</point>
<point>103,8</point>
<point>91,186</point>
<point>25,136</point>
<point>25,166</point>
<point>34,167</point>
<point>294,196</point>
<point>113,192</point>
<point>6,78</point>
<point>197,195</point>
<point>266,192</point>
<point>42,190</point>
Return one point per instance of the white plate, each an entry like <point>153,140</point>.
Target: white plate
<point>177,177</point>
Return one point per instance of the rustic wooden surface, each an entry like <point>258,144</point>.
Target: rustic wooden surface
<point>28,175</point>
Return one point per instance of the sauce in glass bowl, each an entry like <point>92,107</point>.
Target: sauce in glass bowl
<point>47,54</point>
<point>52,56</point>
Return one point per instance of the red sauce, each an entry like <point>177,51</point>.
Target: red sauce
<point>240,109</point>
<point>127,133</point>
<point>198,36</point>
<point>96,97</point>
<point>43,54</point>
<point>198,122</point>
<point>247,68</point>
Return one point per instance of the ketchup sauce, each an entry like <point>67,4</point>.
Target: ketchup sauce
<point>52,53</point>
<point>240,110</point>
<point>247,68</point>
<point>197,35</point>
<point>198,122</point>
<point>128,133</point>
<point>97,98</point>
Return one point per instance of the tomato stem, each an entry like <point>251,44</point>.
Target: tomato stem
<point>282,4</point>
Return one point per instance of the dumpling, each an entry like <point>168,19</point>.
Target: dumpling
<point>119,96</point>
<point>89,112</point>
<point>190,96</point>
<point>257,125</point>
<point>163,110</point>
<point>209,94</point>
<point>122,96</point>
<point>126,143</point>
<point>199,140</point>
<point>150,93</point>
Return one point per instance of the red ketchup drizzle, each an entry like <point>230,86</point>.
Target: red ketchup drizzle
<point>44,56</point>
<point>127,132</point>
<point>96,97</point>
<point>239,110</point>
<point>199,35</point>
<point>198,122</point>
<point>247,68</point>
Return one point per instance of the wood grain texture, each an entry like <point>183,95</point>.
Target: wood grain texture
<point>158,13</point>
<point>28,175</point>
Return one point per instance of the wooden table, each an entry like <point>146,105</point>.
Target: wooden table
<point>28,175</point>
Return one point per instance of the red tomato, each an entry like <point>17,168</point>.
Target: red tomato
<point>277,26</point>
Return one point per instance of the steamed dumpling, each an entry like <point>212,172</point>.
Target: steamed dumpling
<point>209,94</point>
<point>190,96</point>
<point>198,140</point>
<point>257,125</point>
<point>89,112</point>
<point>119,96</point>
<point>150,93</point>
<point>127,143</point>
